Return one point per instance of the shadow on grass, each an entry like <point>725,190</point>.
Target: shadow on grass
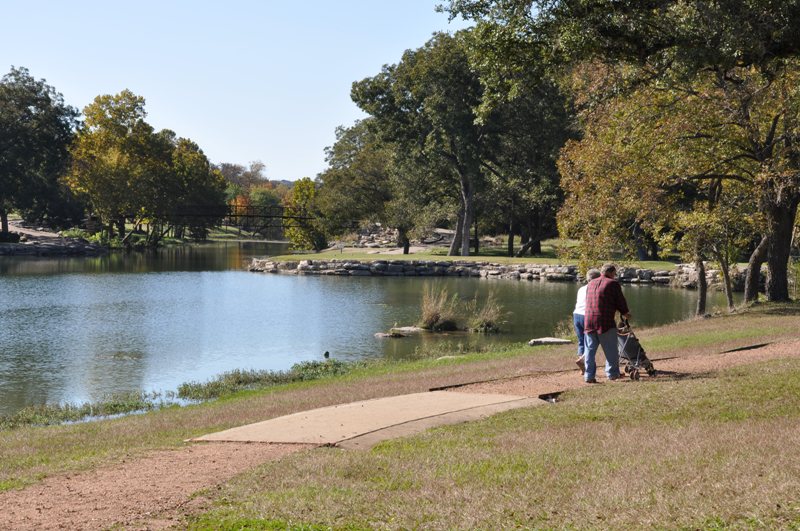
<point>684,376</point>
<point>783,310</point>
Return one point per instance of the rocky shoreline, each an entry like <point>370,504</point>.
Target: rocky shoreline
<point>682,276</point>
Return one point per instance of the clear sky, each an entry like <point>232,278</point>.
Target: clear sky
<point>247,80</point>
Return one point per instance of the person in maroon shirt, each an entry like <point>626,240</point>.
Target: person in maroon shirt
<point>604,299</point>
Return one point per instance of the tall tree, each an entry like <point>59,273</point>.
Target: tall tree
<point>303,227</point>
<point>36,127</point>
<point>426,105</point>
<point>110,156</point>
<point>742,51</point>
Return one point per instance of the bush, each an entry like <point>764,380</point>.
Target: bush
<point>76,233</point>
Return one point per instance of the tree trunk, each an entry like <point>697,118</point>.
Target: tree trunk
<point>121,226</point>
<point>4,220</point>
<point>477,241</point>
<point>702,286</point>
<point>639,241</point>
<point>726,280</point>
<point>511,229</point>
<point>455,245</point>
<point>402,240</point>
<point>469,212</point>
<point>536,247</point>
<point>752,280</point>
<point>653,250</point>
<point>780,226</point>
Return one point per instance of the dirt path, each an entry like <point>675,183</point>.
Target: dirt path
<point>156,491</point>
<point>34,234</point>
<point>678,367</point>
<point>146,493</point>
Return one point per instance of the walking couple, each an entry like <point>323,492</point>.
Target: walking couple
<point>594,320</point>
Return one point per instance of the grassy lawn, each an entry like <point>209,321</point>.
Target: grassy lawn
<point>493,254</point>
<point>706,452</point>
<point>711,452</point>
<point>433,255</point>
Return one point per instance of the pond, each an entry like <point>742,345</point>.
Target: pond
<point>78,329</point>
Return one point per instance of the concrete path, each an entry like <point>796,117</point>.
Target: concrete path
<point>363,424</point>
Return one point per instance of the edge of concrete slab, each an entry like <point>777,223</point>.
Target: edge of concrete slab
<point>368,440</point>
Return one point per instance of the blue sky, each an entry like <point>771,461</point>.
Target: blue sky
<point>247,80</point>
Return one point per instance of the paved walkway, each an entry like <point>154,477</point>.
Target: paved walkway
<point>363,424</point>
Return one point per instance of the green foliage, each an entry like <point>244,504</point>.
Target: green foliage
<point>127,169</point>
<point>424,106</point>
<point>303,228</point>
<point>36,128</point>
<point>675,96</point>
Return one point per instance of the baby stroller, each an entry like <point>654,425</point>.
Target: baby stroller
<point>632,353</point>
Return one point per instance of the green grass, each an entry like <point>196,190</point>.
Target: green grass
<point>492,254</point>
<point>49,414</point>
<point>371,256</point>
<point>687,454</point>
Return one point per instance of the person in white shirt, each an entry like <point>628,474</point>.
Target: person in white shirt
<point>577,318</point>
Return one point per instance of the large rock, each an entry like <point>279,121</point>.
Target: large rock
<point>405,330</point>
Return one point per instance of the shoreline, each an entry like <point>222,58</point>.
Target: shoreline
<point>682,276</point>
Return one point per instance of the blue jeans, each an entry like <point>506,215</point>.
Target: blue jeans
<point>608,340</point>
<point>577,321</point>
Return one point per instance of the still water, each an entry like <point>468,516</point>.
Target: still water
<point>74,330</point>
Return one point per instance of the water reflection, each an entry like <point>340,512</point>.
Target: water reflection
<point>202,257</point>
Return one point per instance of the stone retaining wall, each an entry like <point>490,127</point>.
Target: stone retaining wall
<point>683,275</point>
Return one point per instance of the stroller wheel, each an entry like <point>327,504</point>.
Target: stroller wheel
<point>627,369</point>
<point>652,372</point>
<point>635,374</point>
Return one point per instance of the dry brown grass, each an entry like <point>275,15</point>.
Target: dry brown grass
<point>488,317</point>
<point>695,453</point>
<point>439,311</point>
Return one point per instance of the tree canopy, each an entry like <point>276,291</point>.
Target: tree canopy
<point>36,128</point>
<point>670,93</point>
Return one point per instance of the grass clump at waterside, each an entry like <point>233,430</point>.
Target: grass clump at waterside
<point>138,402</point>
<point>440,311</point>
<point>51,414</point>
<point>240,380</point>
<point>488,317</point>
